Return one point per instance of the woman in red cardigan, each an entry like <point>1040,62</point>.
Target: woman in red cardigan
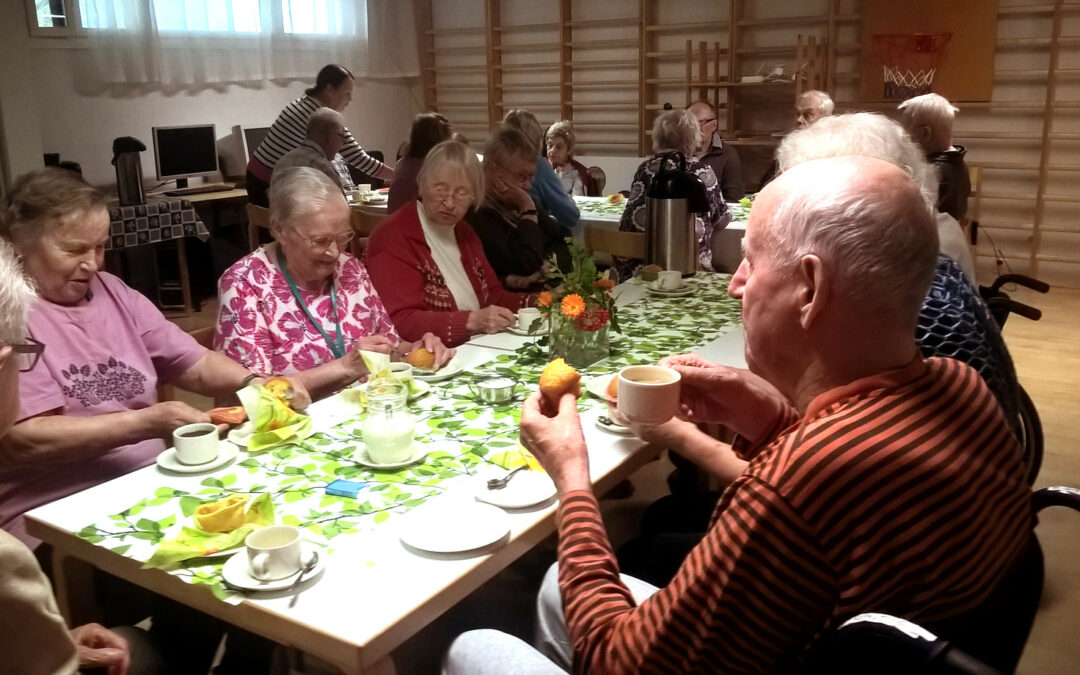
<point>427,264</point>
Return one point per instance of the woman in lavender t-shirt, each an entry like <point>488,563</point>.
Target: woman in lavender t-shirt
<point>89,411</point>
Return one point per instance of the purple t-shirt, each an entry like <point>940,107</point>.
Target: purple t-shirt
<point>102,356</point>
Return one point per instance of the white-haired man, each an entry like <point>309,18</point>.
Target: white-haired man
<point>721,156</point>
<point>811,106</point>
<point>33,636</point>
<point>864,458</point>
<point>929,120</point>
<point>326,135</point>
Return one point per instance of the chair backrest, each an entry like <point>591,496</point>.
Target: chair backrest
<point>258,217</point>
<point>205,337</point>
<point>616,242</point>
<point>599,179</point>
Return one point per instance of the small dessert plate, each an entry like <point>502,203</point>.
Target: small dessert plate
<point>419,452</point>
<point>227,452</point>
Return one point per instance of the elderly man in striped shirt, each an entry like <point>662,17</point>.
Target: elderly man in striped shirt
<point>877,480</point>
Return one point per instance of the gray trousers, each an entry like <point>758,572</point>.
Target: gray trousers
<point>489,652</point>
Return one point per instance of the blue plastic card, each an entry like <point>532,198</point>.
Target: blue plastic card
<point>346,488</point>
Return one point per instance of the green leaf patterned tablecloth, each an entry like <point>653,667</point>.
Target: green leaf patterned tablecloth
<point>462,436</point>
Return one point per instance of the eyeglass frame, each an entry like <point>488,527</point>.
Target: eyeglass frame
<point>350,235</point>
<point>519,178</point>
<point>458,199</point>
<point>33,347</point>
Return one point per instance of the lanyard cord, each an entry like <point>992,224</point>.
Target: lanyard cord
<point>336,347</point>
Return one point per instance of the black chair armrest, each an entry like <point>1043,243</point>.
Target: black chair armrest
<point>1023,280</point>
<point>1057,495</point>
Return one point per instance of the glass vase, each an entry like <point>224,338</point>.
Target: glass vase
<point>579,348</point>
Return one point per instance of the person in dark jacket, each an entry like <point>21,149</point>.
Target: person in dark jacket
<point>929,120</point>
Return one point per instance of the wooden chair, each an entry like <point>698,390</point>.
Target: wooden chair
<point>616,242</point>
<point>258,217</point>
<point>599,180</point>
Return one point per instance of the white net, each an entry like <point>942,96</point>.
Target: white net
<point>902,84</point>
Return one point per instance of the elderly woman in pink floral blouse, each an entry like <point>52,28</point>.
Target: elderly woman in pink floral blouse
<point>302,304</point>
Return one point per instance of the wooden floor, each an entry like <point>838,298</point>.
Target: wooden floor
<point>1047,358</point>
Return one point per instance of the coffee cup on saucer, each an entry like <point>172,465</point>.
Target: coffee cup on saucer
<point>526,316</point>
<point>402,372</point>
<point>648,394</point>
<point>273,552</point>
<point>669,280</point>
<point>365,188</point>
<point>196,443</point>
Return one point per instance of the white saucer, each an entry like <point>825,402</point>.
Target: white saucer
<point>453,526</point>
<point>237,572</point>
<point>598,384</point>
<point>227,452</point>
<point>685,289</point>
<point>419,452</point>
<point>541,330</point>
<point>614,428</point>
<point>242,434</point>
<point>526,488</point>
<point>445,373</point>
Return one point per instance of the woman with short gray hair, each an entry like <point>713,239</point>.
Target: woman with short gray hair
<point>303,304</point>
<point>675,131</point>
<point>427,263</point>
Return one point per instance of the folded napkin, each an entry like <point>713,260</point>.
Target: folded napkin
<point>512,459</point>
<point>378,364</point>
<point>242,513</point>
<point>274,421</point>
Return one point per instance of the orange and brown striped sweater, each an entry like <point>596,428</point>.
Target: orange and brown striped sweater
<point>900,493</point>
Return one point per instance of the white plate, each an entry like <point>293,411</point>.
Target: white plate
<point>452,526</point>
<point>686,289</point>
<point>238,573</point>
<point>227,452</point>
<point>614,427</point>
<point>598,384</point>
<point>526,488</point>
<point>445,373</point>
<point>242,434</point>
<point>419,452</point>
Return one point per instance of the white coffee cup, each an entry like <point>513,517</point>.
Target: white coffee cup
<point>196,443</point>
<point>401,371</point>
<point>526,316</point>
<point>649,394</point>
<point>355,195</point>
<point>669,280</point>
<point>273,552</point>
<point>365,188</point>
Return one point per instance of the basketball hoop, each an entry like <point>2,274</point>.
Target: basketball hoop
<point>909,61</point>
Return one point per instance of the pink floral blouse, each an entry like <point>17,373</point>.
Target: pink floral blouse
<point>261,326</point>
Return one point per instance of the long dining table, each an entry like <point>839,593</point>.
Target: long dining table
<point>374,591</point>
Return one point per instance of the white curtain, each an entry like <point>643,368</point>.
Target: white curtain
<point>209,42</point>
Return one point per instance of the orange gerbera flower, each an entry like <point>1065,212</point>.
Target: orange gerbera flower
<point>572,306</point>
<point>604,283</point>
<point>544,299</point>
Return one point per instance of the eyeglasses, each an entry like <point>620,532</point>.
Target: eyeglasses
<point>29,354</point>
<point>323,242</point>
<point>460,195</point>
<point>522,179</point>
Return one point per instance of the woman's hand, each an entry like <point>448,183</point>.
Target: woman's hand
<point>167,416</point>
<point>354,362</point>
<point>490,319</point>
<point>99,647</point>
<point>434,344</point>
<point>517,282</point>
<point>557,441</point>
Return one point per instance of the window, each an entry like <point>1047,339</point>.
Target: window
<point>296,17</point>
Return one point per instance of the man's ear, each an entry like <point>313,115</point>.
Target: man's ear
<point>923,134</point>
<point>813,289</point>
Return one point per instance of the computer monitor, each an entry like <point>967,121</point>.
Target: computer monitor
<point>185,152</point>
<point>253,137</point>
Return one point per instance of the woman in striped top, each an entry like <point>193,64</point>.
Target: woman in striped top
<point>333,89</point>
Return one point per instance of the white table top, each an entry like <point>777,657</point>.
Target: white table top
<point>375,592</point>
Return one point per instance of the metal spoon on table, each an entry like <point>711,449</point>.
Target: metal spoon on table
<point>307,567</point>
<point>500,483</point>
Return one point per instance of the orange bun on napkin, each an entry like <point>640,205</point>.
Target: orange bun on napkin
<point>233,415</point>
<point>420,358</point>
